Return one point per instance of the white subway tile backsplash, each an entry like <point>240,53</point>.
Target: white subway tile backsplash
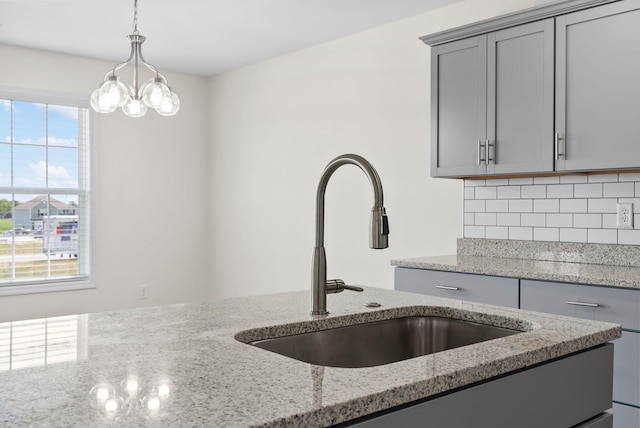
<point>509,192</point>
<point>497,232</point>
<point>546,234</point>
<point>486,192</point>
<point>508,219</point>
<point>589,221</point>
<point>521,181</point>
<point>603,178</point>
<point>587,190</point>
<point>629,176</point>
<point>474,206</point>
<point>474,231</point>
<point>628,237</point>
<point>536,220</point>
<point>485,219</point>
<point>520,205</point>
<point>497,182</point>
<point>534,192</point>
<point>619,190</point>
<point>521,233</point>
<point>573,205</point>
<point>559,220</point>
<point>546,180</point>
<point>602,205</point>
<point>609,221</point>
<point>497,206</point>
<point>602,236</point>
<point>546,205</point>
<point>469,192</point>
<point>573,235</point>
<point>571,208</point>
<point>564,179</point>
<point>469,218</point>
<point>560,191</point>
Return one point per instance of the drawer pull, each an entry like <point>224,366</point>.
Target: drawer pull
<point>591,305</point>
<point>446,287</point>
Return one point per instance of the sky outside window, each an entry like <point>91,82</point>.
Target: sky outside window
<point>45,145</point>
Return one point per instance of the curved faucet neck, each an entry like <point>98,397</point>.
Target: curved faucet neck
<point>366,167</point>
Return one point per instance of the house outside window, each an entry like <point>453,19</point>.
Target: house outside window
<point>45,243</point>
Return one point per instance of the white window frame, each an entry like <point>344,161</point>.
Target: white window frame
<point>86,281</point>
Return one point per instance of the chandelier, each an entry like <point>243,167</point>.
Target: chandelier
<point>135,100</point>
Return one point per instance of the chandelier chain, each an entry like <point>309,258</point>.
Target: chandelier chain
<point>135,16</point>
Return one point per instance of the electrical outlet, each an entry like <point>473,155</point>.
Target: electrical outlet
<point>625,216</point>
<point>143,292</point>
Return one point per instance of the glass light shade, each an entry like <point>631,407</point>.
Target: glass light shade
<point>114,91</point>
<point>169,106</point>
<point>154,92</point>
<point>101,105</point>
<point>134,108</point>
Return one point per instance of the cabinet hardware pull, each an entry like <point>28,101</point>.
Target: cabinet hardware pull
<point>446,287</point>
<point>591,305</point>
<point>556,143</point>
<point>480,159</point>
<point>488,157</point>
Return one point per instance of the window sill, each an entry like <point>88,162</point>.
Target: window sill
<point>15,289</point>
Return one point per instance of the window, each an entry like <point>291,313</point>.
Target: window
<point>44,193</point>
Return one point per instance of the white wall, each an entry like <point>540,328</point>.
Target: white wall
<point>154,165</point>
<point>275,125</point>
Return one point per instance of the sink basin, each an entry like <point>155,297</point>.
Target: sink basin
<point>381,342</point>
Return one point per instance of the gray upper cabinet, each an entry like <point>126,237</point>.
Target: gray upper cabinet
<point>520,99</point>
<point>598,88</point>
<point>459,107</point>
<point>492,103</point>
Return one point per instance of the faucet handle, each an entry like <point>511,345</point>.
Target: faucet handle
<point>338,286</point>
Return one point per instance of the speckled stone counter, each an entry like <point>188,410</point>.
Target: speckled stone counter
<point>596,264</point>
<point>190,370</point>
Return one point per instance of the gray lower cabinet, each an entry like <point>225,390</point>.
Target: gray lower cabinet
<point>617,305</point>
<point>597,87</point>
<point>474,288</point>
<point>569,392</point>
<point>492,103</point>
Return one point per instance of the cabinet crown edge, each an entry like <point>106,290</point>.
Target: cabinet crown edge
<point>535,13</point>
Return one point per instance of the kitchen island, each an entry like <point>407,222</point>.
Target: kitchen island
<point>182,365</point>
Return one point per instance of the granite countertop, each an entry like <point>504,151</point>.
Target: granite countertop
<point>595,264</point>
<point>580,273</point>
<point>191,370</point>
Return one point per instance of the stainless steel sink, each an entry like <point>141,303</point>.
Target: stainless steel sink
<point>381,342</point>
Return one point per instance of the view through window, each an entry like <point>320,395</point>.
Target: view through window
<point>44,197</point>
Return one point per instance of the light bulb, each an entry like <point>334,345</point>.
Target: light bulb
<point>153,403</point>
<point>113,91</point>
<point>134,108</point>
<point>163,390</point>
<point>154,92</point>
<point>100,104</point>
<point>169,106</point>
<point>132,387</point>
<point>111,405</point>
<point>102,394</point>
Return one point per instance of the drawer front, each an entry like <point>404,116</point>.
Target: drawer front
<point>616,305</point>
<point>626,369</point>
<point>625,416</point>
<point>474,288</point>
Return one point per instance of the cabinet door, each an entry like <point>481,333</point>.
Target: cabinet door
<point>458,107</point>
<point>520,98</point>
<point>598,88</point>
<point>608,304</point>
<point>625,416</point>
<point>491,290</point>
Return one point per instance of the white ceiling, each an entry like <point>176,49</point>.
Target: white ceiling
<point>202,37</point>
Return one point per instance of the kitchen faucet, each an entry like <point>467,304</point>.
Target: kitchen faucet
<point>378,238</point>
